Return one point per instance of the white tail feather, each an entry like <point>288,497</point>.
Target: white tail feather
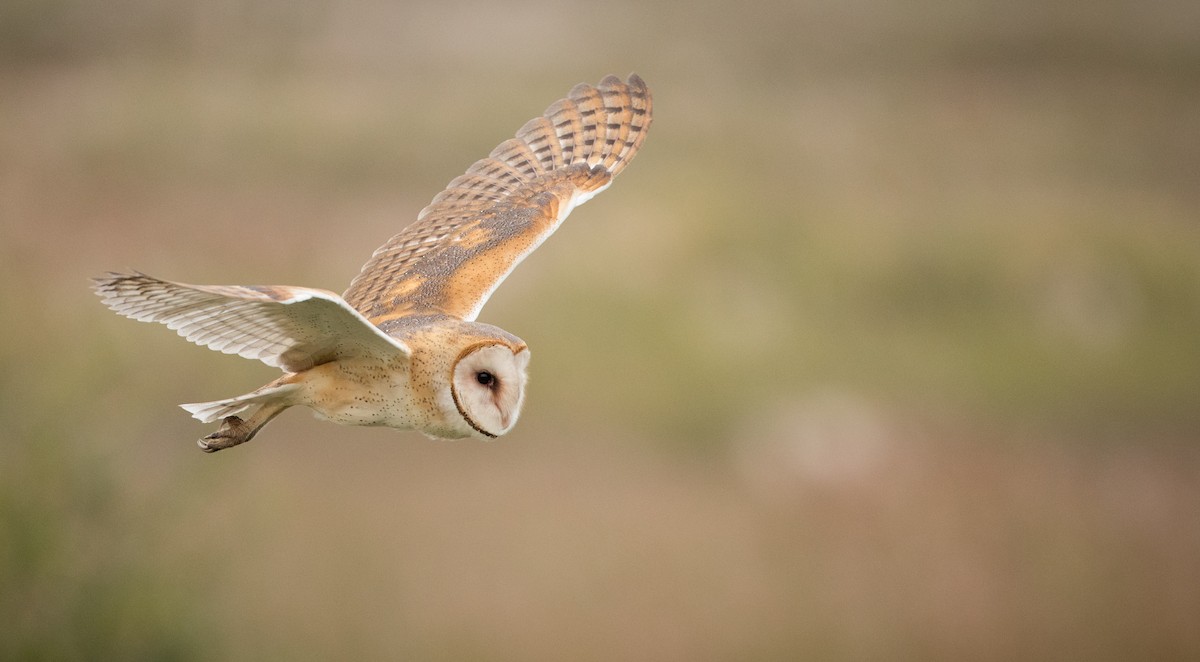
<point>207,412</point>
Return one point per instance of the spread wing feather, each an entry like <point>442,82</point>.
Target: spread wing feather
<point>486,221</point>
<point>292,328</point>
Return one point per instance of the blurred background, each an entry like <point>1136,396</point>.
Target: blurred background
<point>887,346</point>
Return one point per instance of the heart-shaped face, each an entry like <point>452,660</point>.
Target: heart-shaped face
<point>489,387</point>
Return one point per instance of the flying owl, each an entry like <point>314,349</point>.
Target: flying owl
<point>401,347</point>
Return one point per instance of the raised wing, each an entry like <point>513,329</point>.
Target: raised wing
<point>292,328</point>
<point>476,231</point>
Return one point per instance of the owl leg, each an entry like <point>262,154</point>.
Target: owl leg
<point>234,430</point>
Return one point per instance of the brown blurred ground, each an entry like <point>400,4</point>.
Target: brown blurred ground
<point>884,348</point>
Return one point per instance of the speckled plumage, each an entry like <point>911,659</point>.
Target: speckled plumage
<point>473,233</point>
<point>401,348</point>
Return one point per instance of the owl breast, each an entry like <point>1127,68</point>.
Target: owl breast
<point>353,392</point>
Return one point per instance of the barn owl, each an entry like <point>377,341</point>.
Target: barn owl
<point>401,347</point>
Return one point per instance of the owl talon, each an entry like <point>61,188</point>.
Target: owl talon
<point>233,431</point>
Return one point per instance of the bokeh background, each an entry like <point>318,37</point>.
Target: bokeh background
<point>887,346</point>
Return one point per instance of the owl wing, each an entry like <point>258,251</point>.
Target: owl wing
<point>292,328</point>
<point>474,233</point>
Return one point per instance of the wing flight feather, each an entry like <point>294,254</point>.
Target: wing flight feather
<point>292,328</point>
<point>475,232</point>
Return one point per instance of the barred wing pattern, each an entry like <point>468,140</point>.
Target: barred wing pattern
<point>292,328</point>
<point>475,232</point>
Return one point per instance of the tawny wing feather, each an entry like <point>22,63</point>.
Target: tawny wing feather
<point>292,328</point>
<point>477,230</point>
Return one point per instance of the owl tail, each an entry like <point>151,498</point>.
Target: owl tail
<point>208,412</point>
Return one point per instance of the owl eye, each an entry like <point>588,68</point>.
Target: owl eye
<point>486,378</point>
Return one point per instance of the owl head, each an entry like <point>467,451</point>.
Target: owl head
<point>488,385</point>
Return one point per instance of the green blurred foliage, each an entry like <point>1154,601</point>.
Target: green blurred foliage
<point>884,347</point>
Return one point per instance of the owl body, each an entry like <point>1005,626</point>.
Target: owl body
<point>443,395</point>
<point>401,347</point>
<point>436,389</point>
<point>360,392</point>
